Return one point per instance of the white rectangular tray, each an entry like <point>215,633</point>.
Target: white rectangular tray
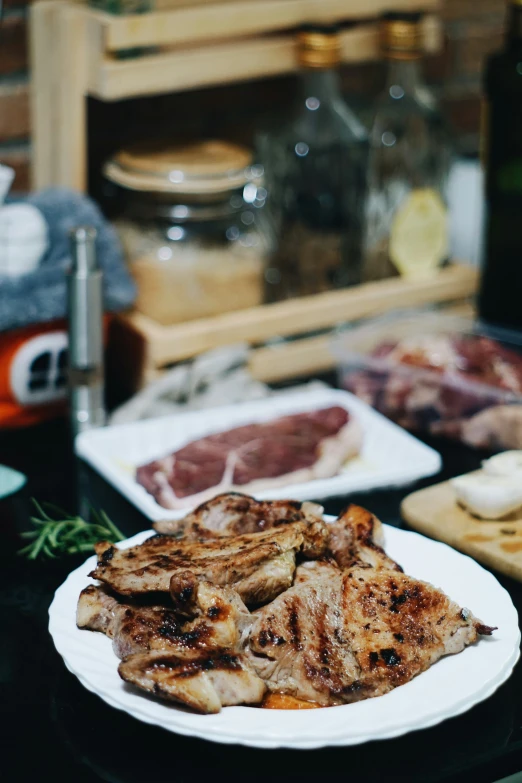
<point>390,456</point>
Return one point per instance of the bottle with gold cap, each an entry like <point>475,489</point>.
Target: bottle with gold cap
<point>406,215</point>
<point>500,299</point>
<point>315,165</point>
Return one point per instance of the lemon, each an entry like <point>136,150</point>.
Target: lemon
<point>419,234</point>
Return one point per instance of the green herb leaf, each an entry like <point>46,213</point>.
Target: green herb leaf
<point>65,534</point>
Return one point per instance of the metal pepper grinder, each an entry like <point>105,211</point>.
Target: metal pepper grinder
<point>85,313</point>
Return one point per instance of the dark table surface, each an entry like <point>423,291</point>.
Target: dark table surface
<point>55,730</point>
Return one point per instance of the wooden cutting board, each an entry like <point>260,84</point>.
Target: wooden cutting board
<point>498,544</point>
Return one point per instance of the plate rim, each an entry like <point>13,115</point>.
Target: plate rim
<point>268,741</point>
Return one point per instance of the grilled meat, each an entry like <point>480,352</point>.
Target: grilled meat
<point>205,683</point>
<point>197,663</point>
<point>233,514</point>
<point>352,626</point>
<point>219,621</point>
<point>258,565</point>
<point>356,634</point>
<point>356,538</point>
<point>315,569</point>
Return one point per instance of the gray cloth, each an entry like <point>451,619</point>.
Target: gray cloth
<point>40,296</point>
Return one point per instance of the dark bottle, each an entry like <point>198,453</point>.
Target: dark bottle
<point>315,176</point>
<point>500,298</point>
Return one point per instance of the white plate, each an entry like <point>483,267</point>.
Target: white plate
<point>448,688</point>
<point>390,456</point>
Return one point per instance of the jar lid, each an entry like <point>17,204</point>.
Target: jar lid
<point>401,35</point>
<point>206,167</point>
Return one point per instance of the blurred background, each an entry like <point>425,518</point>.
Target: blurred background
<point>471,30</point>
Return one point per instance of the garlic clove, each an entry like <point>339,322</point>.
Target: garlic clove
<point>509,463</point>
<point>488,497</point>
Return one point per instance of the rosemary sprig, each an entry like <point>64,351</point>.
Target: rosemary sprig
<point>66,535</point>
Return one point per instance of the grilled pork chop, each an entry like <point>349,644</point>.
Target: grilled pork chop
<point>315,569</point>
<point>233,514</point>
<point>356,634</point>
<point>356,538</point>
<point>197,663</point>
<point>205,684</point>
<point>220,620</point>
<point>259,565</point>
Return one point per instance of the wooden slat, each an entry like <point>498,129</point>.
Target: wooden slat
<point>299,316</point>
<point>236,19</point>
<point>169,5</point>
<point>43,38</point>
<point>231,62</point>
<point>292,360</point>
<point>71,121</point>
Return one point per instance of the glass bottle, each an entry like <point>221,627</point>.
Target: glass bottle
<point>315,177</point>
<point>406,214</point>
<point>501,287</point>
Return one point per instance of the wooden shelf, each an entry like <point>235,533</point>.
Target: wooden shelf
<point>239,19</point>
<point>266,328</point>
<point>76,52</point>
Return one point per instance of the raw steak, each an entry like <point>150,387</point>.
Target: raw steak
<point>288,450</point>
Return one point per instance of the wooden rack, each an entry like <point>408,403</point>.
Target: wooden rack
<point>152,347</point>
<point>77,51</point>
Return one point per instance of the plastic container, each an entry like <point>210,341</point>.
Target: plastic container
<point>432,372</point>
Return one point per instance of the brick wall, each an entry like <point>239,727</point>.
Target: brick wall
<point>473,28</point>
<point>14,94</point>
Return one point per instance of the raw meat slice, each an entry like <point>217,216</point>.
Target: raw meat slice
<point>288,450</point>
<point>355,634</point>
<point>461,386</point>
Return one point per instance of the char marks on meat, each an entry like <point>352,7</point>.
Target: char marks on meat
<point>259,565</point>
<point>218,619</point>
<point>253,457</point>
<point>234,514</point>
<point>338,620</point>
<point>355,538</point>
<point>205,684</point>
<point>359,633</point>
<point>195,662</point>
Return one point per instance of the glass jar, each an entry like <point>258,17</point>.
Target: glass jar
<point>188,225</point>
